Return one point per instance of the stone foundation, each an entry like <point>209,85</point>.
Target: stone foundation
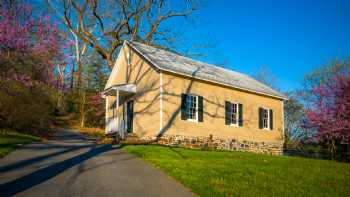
<point>216,143</point>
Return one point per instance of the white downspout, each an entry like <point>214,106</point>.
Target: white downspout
<point>283,134</point>
<point>161,102</point>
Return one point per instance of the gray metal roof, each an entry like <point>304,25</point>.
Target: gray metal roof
<point>172,62</point>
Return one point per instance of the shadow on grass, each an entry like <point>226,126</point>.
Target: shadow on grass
<point>172,148</point>
<point>175,150</point>
<point>11,141</point>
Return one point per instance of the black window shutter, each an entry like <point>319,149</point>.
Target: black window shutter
<point>240,115</point>
<point>261,113</point>
<point>129,116</point>
<point>228,109</point>
<point>183,107</point>
<point>271,119</point>
<point>200,109</point>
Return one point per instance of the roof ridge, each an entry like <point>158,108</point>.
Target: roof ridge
<point>194,60</point>
<point>141,47</point>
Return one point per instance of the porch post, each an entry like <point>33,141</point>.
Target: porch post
<point>117,107</point>
<point>106,125</point>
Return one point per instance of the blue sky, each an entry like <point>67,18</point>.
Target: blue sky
<point>290,38</point>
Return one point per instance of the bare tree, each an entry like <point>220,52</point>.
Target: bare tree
<point>119,20</point>
<point>61,70</point>
<point>265,76</point>
<point>103,25</point>
<point>293,119</point>
<point>79,46</point>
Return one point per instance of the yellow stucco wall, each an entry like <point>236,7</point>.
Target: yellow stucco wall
<point>147,104</point>
<point>146,100</point>
<point>214,111</point>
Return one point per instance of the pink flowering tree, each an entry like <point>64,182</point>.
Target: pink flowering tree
<point>30,46</point>
<point>95,111</point>
<point>329,113</point>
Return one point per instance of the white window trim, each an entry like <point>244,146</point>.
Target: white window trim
<point>234,125</point>
<point>237,114</point>
<point>268,119</point>
<point>196,119</point>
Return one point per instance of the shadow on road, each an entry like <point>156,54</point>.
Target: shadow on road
<point>27,162</point>
<point>41,175</point>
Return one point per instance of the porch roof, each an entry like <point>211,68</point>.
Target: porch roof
<point>124,90</point>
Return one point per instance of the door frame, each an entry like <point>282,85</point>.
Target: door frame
<point>129,116</point>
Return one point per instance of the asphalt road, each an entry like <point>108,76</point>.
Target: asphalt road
<point>74,165</point>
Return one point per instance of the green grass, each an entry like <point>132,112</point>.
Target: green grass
<point>11,140</point>
<point>214,173</point>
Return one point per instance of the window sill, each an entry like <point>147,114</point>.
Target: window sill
<point>191,120</point>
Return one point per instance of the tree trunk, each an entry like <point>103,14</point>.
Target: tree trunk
<point>60,87</point>
<point>72,76</point>
<point>60,99</point>
<point>79,70</point>
<point>82,109</point>
<point>332,148</point>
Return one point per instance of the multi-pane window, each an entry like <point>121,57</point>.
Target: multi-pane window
<point>265,118</point>
<point>191,107</point>
<point>234,116</point>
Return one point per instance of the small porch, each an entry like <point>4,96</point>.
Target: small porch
<point>119,109</point>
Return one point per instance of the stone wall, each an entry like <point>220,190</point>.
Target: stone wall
<point>216,143</point>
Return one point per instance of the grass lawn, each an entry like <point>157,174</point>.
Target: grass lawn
<point>12,140</point>
<point>214,173</point>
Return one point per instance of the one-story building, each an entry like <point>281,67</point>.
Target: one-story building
<point>157,95</point>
